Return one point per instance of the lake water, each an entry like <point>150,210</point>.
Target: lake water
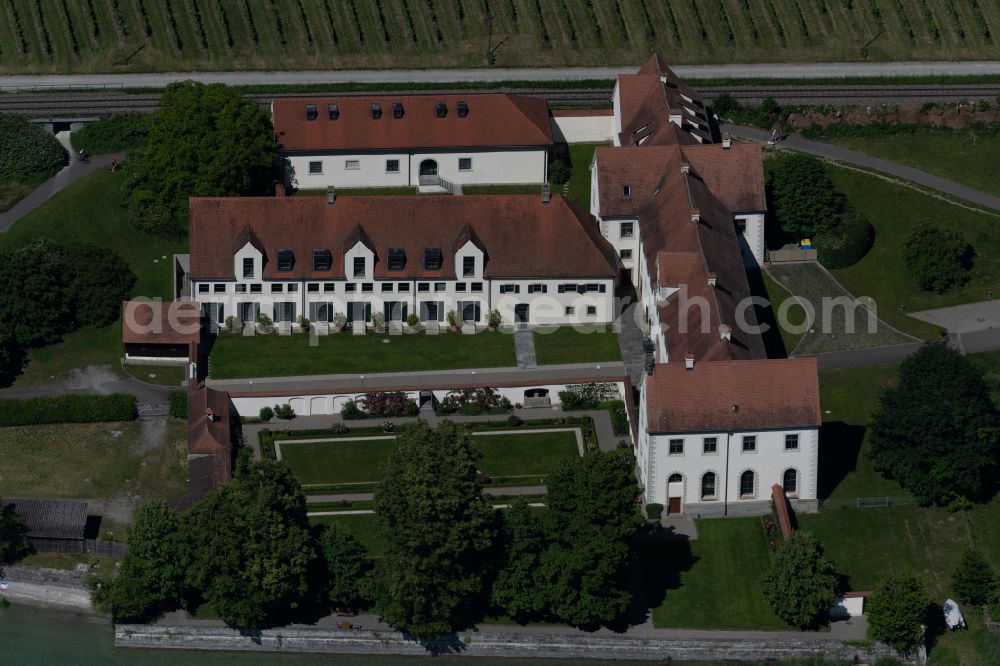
<point>34,637</point>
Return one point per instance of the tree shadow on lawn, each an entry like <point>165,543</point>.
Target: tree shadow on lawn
<point>662,557</point>
<point>839,448</point>
<point>774,346</point>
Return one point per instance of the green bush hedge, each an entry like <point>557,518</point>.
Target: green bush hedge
<point>27,151</point>
<point>846,242</point>
<point>68,409</point>
<point>179,405</point>
<point>112,135</point>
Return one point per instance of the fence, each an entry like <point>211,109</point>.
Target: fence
<point>867,503</point>
<point>90,546</point>
<point>787,254</point>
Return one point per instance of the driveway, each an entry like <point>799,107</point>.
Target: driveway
<point>967,318</point>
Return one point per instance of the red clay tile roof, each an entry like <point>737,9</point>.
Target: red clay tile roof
<point>494,119</point>
<point>646,101</point>
<point>210,449</point>
<point>158,322</point>
<point>564,242</point>
<point>735,175</point>
<point>776,393</point>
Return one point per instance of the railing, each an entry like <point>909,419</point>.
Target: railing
<point>867,503</point>
<point>431,180</point>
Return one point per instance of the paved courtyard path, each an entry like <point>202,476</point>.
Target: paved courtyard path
<point>524,345</point>
<point>836,153</point>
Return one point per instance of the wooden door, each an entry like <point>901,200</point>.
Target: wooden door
<point>674,506</point>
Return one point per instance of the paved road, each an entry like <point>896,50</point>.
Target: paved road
<point>765,70</point>
<point>828,151</point>
<point>967,318</point>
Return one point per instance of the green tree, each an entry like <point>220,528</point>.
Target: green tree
<point>802,195</point>
<point>591,519</point>
<point>27,151</point>
<point>151,578</point>
<point>204,140</point>
<point>250,551</point>
<point>936,259</point>
<point>34,307</point>
<point>518,588</point>
<point>97,281</point>
<point>846,241</point>
<point>346,565</point>
<point>936,431</point>
<point>973,579</point>
<point>896,609</point>
<point>439,527</point>
<point>13,535</point>
<point>801,584</point>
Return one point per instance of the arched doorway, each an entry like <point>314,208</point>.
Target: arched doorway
<point>429,168</point>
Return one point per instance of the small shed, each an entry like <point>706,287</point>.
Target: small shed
<point>158,332</point>
<point>53,525</point>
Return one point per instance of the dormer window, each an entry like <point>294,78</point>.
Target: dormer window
<point>626,191</point>
<point>248,268</point>
<point>396,258</point>
<point>286,260</point>
<point>441,109</point>
<point>359,267</point>
<point>334,111</point>
<point>468,266</point>
<point>322,260</point>
<point>311,112</point>
<point>376,110</point>
<point>433,259</point>
<point>463,109</point>
<point>397,110</point>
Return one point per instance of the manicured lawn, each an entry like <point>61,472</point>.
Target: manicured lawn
<point>580,157</point>
<point>162,375</point>
<point>90,211</point>
<point>235,356</point>
<point>895,211</point>
<point>712,582</point>
<point>848,397</point>
<point>68,561</point>
<point>362,526</point>
<point>967,156</point>
<point>94,460</point>
<point>524,453</point>
<point>504,454</point>
<point>565,344</point>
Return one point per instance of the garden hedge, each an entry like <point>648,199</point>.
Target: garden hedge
<point>68,409</point>
<point>179,404</point>
<point>846,242</point>
<point>27,150</point>
<point>112,135</point>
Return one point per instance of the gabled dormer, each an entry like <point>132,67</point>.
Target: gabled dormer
<point>470,255</point>
<point>359,255</point>
<point>248,256</point>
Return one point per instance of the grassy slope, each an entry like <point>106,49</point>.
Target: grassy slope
<point>795,315</point>
<point>274,356</point>
<point>967,156</point>
<point>895,211</point>
<point>565,344</point>
<point>90,211</point>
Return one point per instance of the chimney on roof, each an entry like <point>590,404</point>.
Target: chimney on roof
<point>685,168</point>
<point>696,215</point>
<point>210,414</point>
<point>689,361</point>
<point>725,333</point>
<point>727,141</point>
<point>546,195</point>
<point>279,189</point>
<point>713,279</point>
<point>331,196</point>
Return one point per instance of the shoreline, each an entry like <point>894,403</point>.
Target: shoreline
<point>50,589</point>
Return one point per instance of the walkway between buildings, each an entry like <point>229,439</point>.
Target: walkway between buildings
<point>836,153</point>
<point>524,344</point>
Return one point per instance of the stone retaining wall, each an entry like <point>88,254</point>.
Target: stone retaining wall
<point>488,644</point>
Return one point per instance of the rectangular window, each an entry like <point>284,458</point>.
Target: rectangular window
<point>248,267</point>
<point>352,165</point>
<point>476,286</point>
<point>460,286</point>
<point>311,112</point>
<point>256,288</point>
<point>433,259</point>
<point>284,311</point>
<point>510,289</point>
<point>359,267</point>
<point>277,288</point>
<point>537,288</point>
<point>403,286</point>
<point>791,442</point>
<point>741,226</point>
<point>396,258</point>
<point>710,445</point>
<point>749,443</point>
<point>286,260</point>
<point>387,286</point>
<point>570,310</point>
<point>392,166</point>
<point>465,164</point>
<point>219,288</point>
<point>567,288</point>
<point>470,310</point>
<point>241,289</point>
<point>423,286</point>
<point>313,287</point>
<point>626,230</point>
<point>677,447</point>
<point>591,310</point>
<point>333,110</point>
<point>440,286</point>
<point>329,287</point>
<point>203,288</point>
<point>350,286</point>
<point>322,260</point>
<point>368,287</point>
<point>626,255</point>
<point>468,266</point>
<point>315,168</point>
<point>293,287</point>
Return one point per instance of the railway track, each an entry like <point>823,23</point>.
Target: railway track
<point>93,104</point>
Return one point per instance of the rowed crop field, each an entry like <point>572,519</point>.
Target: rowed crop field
<point>155,35</point>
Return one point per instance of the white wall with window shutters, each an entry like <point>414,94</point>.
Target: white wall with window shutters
<point>371,171</point>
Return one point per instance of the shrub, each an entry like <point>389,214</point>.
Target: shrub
<point>339,320</point>
<point>654,511</point>
<point>472,402</point>
<point>112,135</point>
<point>388,403</point>
<point>412,320</point>
<point>284,412</point>
<point>351,411</point>
<point>388,426</point>
<point>587,396</point>
<point>802,195</point>
<point>232,323</point>
<point>847,241</point>
<point>973,578</point>
<point>514,421</point>
<point>266,414</point>
<point>27,151</point>
<point>619,417</point>
<point>179,405</point>
<point>68,409</point>
<point>339,429</point>
<point>937,259</point>
<point>559,172</point>
<point>264,320</point>
<point>494,319</point>
<point>452,318</point>
<point>896,609</point>
<point>378,320</point>
<point>303,322</point>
